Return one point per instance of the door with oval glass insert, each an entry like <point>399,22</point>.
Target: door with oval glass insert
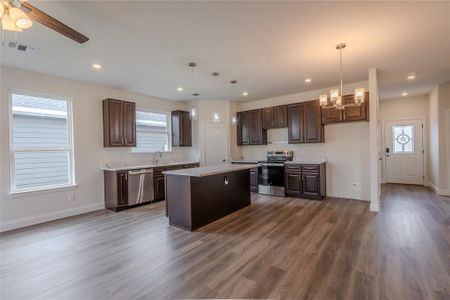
<point>404,151</point>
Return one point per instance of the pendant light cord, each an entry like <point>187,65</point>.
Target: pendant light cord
<point>340,54</point>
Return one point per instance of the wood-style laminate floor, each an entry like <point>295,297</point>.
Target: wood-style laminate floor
<point>277,248</point>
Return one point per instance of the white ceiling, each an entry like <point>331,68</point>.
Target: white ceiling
<point>268,47</point>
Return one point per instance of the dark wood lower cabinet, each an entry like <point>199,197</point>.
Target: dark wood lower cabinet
<point>159,187</point>
<point>116,185</point>
<point>254,180</point>
<point>293,184</point>
<point>305,181</point>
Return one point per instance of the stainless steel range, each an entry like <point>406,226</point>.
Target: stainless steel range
<point>271,173</point>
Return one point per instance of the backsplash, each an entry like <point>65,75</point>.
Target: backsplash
<point>124,156</point>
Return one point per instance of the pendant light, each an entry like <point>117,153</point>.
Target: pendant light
<point>337,94</point>
<point>193,112</point>
<point>216,116</point>
<point>234,119</point>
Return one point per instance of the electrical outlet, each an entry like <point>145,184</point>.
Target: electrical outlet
<point>72,197</point>
<point>354,187</point>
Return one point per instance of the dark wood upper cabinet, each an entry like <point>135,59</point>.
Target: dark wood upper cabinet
<point>250,128</point>
<point>119,123</point>
<point>268,118</point>
<point>280,115</point>
<point>313,128</point>
<point>305,123</point>
<point>181,129</point>
<point>355,112</point>
<point>351,111</point>
<point>258,136</point>
<point>295,124</point>
<point>274,117</point>
<point>243,137</point>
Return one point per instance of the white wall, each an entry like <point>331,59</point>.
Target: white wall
<point>406,108</point>
<point>433,137</point>
<point>26,209</point>
<point>206,109</point>
<point>346,147</point>
<point>438,172</point>
<point>444,105</point>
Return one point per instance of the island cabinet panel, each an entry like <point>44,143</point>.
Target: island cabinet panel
<point>181,129</point>
<point>305,181</point>
<point>159,181</point>
<point>190,206</point>
<point>250,128</point>
<point>295,124</point>
<point>119,123</point>
<point>254,180</point>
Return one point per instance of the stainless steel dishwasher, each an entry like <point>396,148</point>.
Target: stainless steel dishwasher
<point>140,186</point>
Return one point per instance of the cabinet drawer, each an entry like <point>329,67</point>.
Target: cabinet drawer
<point>290,167</point>
<point>310,168</point>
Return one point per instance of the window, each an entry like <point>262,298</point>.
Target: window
<point>152,132</point>
<point>403,139</point>
<point>41,142</point>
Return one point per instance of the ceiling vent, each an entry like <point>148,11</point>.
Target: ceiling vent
<point>20,47</point>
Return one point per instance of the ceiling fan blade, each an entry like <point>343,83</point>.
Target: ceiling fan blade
<point>41,17</point>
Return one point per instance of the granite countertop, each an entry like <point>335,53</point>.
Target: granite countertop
<point>124,167</point>
<point>211,170</point>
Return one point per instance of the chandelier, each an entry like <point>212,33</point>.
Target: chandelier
<point>336,94</point>
<point>13,19</point>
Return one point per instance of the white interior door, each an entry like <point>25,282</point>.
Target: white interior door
<point>215,143</point>
<point>404,151</point>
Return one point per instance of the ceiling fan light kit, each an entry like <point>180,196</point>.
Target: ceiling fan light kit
<point>13,19</point>
<point>336,94</point>
<point>17,16</point>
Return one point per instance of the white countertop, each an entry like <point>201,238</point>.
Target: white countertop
<point>318,161</point>
<point>244,161</point>
<point>123,167</point>
<point>211,170</point>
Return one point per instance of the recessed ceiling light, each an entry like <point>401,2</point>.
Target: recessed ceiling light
<point>96,66</point>
<point>244,94</point>
<point>411,77</point>
<point>180,88</point>
<point>308,80</point>
<point>404,94</point>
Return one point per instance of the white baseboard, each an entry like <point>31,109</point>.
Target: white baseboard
<point>19,223</point>
<point>437,190</point>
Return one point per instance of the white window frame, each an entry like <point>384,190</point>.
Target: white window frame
<point>69,149</point>
<point>169,132</point>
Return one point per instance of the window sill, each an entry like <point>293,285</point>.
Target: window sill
<point>30,192</point>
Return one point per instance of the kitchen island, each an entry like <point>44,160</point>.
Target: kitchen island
<point>198,196</point>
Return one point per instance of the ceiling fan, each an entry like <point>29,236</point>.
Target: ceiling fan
<point>17,15</point>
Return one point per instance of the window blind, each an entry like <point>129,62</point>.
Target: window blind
<point>151,132</point>
<point>41,142</point>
